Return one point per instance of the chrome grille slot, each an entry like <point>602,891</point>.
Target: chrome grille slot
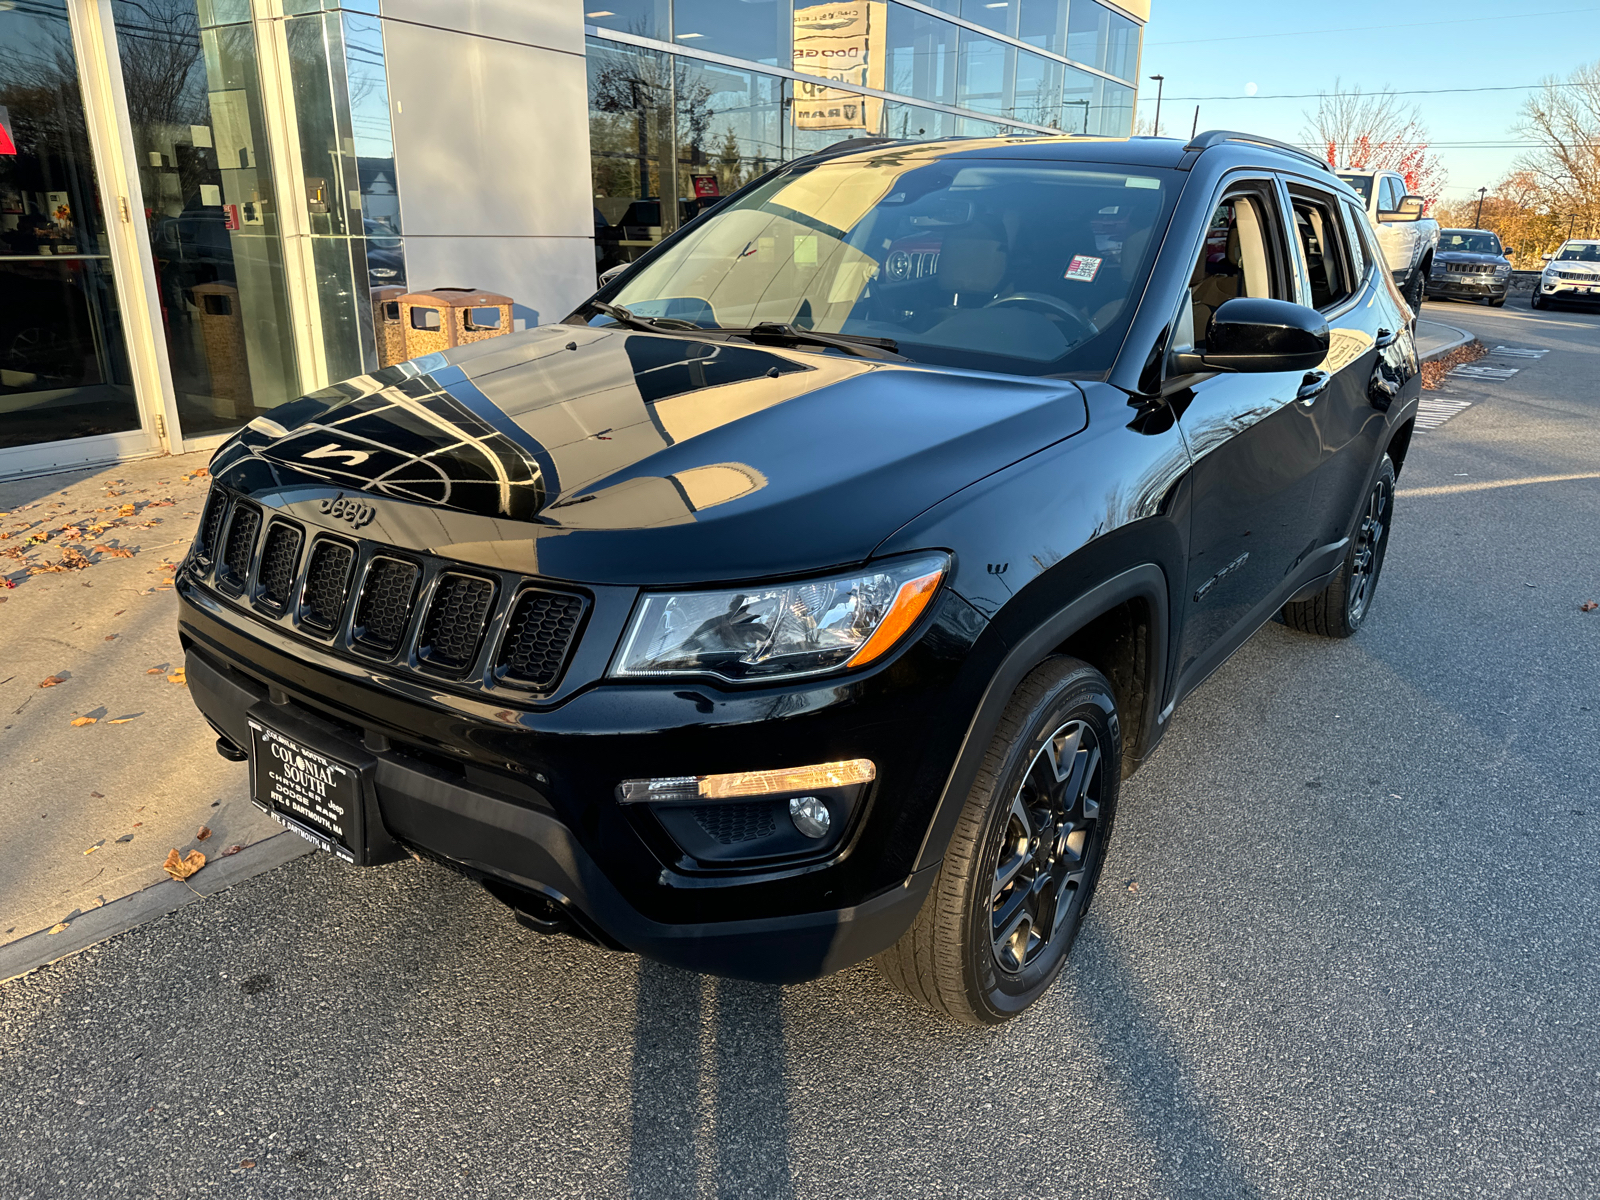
<point>280,562</point>
<point>327,585</point>
<point>239,548</point>
<point>539,635</point>
<point>387,597</point>
<point>456,621</point>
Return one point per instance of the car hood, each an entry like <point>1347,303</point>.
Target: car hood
<point>1465,256</point>
<point>1586,268</point>
<point>613,456</point>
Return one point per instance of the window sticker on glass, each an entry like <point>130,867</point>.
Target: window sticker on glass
<point>1083,268</point>
<point>805,249</point>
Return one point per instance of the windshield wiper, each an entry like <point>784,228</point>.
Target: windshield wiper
<point>885,349</point>
<point>624,316</point>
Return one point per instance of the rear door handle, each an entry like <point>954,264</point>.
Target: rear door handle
<point>1386,338</point>
<point>1312,386</point>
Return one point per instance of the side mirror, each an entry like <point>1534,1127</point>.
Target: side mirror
<point>1546,257</point>
<point>1256,336</point>
<point>1410,208</point>
<point>1507,251</point>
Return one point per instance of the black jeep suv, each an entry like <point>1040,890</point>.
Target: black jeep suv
<point>805,595</point>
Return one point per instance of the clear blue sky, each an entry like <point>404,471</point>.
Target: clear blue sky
<point>1214,50</point>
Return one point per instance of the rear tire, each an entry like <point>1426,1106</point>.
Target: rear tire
<point>1416,290</point>
<point>1537,301</point>
<point>1340,608</point>
<point>1021,867</point>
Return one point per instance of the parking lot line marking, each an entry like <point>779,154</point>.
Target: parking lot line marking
<point>1473,371</point>
<point>1432,413</point>
<point>1518,352</point>
<point>1454,489</point>
<point>1540,320</point>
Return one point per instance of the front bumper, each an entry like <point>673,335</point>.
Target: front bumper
<point>1571,293</point>
<point>1468,287</point>
<point>524,801</point>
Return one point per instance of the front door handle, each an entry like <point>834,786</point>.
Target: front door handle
<point>1386,338</point>
<point>1312,386</point>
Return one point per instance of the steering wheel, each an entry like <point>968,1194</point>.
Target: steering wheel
<point>1055,303</point>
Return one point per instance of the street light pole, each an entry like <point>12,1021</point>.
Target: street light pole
<point>1160,83</point>
<point>1477,221</point>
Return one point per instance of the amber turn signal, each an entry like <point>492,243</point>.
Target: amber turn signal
<point>909,602</point>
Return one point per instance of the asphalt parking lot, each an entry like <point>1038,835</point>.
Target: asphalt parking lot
<point>1345,945</point>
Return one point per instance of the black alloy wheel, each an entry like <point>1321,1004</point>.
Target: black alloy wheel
<point>1045,845</point>
<point>1021,867</point>
<point>1339,609</point>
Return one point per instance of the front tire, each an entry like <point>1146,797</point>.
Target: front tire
<point>1340,608</point>
<point>1418,287</point>
<point>1537,301</point>
<point>1022,865</point>
<point>1498,302</point>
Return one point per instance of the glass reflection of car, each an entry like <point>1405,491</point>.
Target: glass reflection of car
<point>386,260</point>
<point>1571,275</point>
<point>805,595</point>
<point>1470,264</point>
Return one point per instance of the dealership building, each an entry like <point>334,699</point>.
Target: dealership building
<point>210,207</point>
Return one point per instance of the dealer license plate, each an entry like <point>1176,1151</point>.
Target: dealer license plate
<point>307,791</point>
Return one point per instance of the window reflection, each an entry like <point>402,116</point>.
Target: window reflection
<point>1100,38</point>
<point>984,71</point>
<point>729,131</point>
<point>63,366</point>
<point>644,18</point>
<point>630,114</point>
<point>922,55</point>
<point>756,30</point>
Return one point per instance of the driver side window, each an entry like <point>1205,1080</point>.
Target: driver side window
<point>1236,260</point>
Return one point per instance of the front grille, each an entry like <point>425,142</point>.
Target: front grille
<point>1581,276</point>
<point>538,637</point>
<point>327,585</point>
<point>456,621</point>
<point>1471,268</point>
<point>386,601</point>
<point>211,522</point>
<point>280,560</point>
<point>730,823</point>
<point>239,546</point>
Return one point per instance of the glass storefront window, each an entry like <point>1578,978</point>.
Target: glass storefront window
<point>757,30</point>
<point>984,74</point>
<point>912,122</point>
<point>207,196</point>
<point>1100,38</point>
<point>642,18</point>
<point>729,130</point>
<point>1043,23</point>
<point>1095,105</point>
<point>64,369</point>
<point>922,55</point>
<point>1038,90</point>
<point>998,15</point>
<point>630,115</point>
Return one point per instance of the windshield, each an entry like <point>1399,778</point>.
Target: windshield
<point>992,264</point>
<point>1362,185</point>
<point>1468,241</point>
<point>1579,252</point>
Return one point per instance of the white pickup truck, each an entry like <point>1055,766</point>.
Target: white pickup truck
<point>1408,239</point>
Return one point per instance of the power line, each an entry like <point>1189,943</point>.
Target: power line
<point>1248,37</point>
<point>1517,87</point>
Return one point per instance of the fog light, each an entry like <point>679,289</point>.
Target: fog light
<point>810,815</point>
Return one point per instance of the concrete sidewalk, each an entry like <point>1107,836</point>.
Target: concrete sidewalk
<point>1435,340</point>
<point>88,812</point>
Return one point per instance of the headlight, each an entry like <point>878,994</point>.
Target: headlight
<point>781,630</point>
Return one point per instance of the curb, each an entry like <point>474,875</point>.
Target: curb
<point>1462,338</point>
<point>128,912</point>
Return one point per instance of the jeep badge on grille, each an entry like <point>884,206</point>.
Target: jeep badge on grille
<point>357,513</point>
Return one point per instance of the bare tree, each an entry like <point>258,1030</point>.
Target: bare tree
<point>1374,131</point>
<point>1564,119</point>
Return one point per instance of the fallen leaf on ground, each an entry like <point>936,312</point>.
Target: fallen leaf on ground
<point>203,834</point>
<point>182,868</point>
<point>127,510</point>
<point>111,637</point>
<point>178,676</point>
<point>113,551</point>
<point>231,850</point>
<point>127,837</point>
<point>98,795</point>
<point>249,1162</point>
<point>51,681</point>
<point>120,721</point>
<point>1588,606</point>
<point>156,671</point>
<point>58,927</point>
<point>85,720</point>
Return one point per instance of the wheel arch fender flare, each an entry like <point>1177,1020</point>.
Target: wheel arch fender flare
<point>1147,583</point>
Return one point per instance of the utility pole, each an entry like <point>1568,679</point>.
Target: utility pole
<point>1477,221</point>
<point>1160,83</point>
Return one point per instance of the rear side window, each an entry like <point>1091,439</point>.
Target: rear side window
<point>1321,238</point>
<point>1352,224</point>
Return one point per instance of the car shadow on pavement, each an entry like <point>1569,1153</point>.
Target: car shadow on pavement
<point>749,1111</point>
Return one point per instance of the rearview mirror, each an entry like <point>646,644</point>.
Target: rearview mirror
<point>1255,336</point>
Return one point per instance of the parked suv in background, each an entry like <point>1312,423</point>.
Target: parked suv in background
<point>1408,238</point>
<point>1571,275</point>
<point>806,594</point>
<point>1470,265</point>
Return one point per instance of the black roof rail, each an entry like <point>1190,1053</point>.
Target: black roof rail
<point>1215,137</point>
